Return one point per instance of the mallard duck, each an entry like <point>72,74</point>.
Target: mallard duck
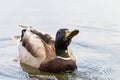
<point>42,51</point>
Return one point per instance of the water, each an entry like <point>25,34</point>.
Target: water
<point>96,48</point>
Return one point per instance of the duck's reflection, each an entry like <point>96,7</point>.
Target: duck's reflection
<point>35,73</point>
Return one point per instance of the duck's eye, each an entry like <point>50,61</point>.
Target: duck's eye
<point>59,32</point>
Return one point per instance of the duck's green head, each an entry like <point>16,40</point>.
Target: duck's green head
<point>63,39</point>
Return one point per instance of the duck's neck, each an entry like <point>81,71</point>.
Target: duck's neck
<point>62,53</point>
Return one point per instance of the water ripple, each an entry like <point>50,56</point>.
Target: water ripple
<point>99,29</point>
<point>96,69</point>
<point>5,39</point>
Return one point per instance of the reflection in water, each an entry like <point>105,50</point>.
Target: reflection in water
<point>35,73</point>
<point>86,71</point>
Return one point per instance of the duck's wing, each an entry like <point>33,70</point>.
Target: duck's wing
<point>49,39</point>
<point>36,45</point>
<point>44,36</point>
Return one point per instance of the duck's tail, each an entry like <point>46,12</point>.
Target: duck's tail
<point>16,38</point>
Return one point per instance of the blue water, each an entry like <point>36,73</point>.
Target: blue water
<point>96,48</point>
